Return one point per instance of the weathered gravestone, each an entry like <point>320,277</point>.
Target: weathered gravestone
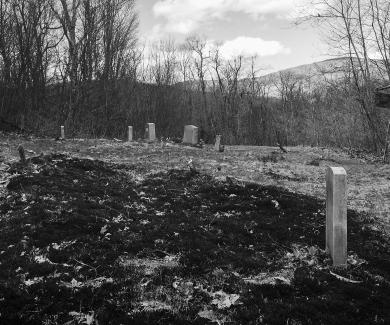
<point>130,133</point>
<point>150,132</point>
<point>191,134</point>
<point>336,214</point>
<point>217,142</point>
<point>62,132</point>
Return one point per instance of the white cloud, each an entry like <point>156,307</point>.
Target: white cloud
<point>251,46</point>
<point>185,16</point>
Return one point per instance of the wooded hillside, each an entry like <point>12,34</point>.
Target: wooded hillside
<point>79,64</point>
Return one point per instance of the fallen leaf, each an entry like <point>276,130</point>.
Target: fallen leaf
<point>341,278</point>
<point>210,315</point>
<point>224,300</point>
<point>103,230</point>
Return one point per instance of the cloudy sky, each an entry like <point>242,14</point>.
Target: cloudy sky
<point>250,27</point>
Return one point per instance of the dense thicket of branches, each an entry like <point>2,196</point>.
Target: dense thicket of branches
<point>55,54</point>
<point>360,30</point>
<point>78,63</point>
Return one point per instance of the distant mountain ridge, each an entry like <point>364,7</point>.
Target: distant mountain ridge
<point>309,75</point>
<point>330,69</point>
<point>328,66</point>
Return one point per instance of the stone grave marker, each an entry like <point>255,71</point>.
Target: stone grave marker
<point>336,214</point>
<point>130,133</point>
<point>191,134</point>
<point>217,142</point>
<point>150,132</point>
<point>62,132</point>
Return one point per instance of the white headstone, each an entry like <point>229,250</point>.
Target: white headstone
<point>191,134</point>
<point>150,132</point>
<point>336,214</point>
<point>62,132</point>
<point>217,142</point>
<point>130,133</point>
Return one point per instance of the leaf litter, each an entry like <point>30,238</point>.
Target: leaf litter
<point>184,247</point>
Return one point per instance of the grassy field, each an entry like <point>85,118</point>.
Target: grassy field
<point>107,232</point>
<point>302,170</point>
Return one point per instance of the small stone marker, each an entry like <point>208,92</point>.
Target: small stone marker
<point>130,133</point>
<point>62,132</point>
<point>150,132</point>
<point>217,142</point>
<point>191,134</point>
<point>336,214</point>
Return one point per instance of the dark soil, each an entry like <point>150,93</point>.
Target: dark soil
<point>75,236</point>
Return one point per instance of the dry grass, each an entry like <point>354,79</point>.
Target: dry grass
<point>301,170</point>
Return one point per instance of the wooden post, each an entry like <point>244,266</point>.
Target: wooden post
<point>62,132</point>
<point>22,154</point>
<point>336,214</point>
<point>130,133</point>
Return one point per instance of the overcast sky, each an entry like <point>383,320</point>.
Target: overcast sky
<point>262,27</point>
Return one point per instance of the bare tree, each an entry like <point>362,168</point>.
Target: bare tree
<point>120,23</point>
<point>201,56</point>
<point>6,40</point>
<point>26,46</point>
<point>359,29</point>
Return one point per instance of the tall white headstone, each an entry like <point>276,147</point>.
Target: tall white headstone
<point>150,132</point>
<point>130,133</point>
<point>217,142</point>
<point>191,134</point>
<point>336,214</point>
<point>62,132</point>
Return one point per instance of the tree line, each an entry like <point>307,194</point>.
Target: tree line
<point>52,51</point>
<point>79,63</point>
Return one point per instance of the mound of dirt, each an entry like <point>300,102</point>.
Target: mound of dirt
<point>84,242</point>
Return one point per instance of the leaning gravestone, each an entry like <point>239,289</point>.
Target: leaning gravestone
<point>191,134</point>
<point>336,214</point>
<point>217,142</point>
<point>150,132</point>
<point>130,133</point>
